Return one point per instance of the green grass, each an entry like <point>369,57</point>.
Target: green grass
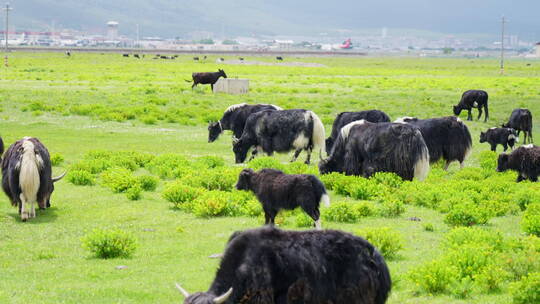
<point>92,101</point>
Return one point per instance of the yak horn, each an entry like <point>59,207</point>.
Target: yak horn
<point>182,290</point>
<point>235,140</point>
<point>55,179</point>
<point>223,297</point>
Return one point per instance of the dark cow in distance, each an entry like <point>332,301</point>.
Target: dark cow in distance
<point>525,160</point>
<point>234,118</point>
<point>521,120</point>
<point>344,118</point>
<point>364,148</point>
<point>1,147</point>
<point>269,265</point>
<point>499,136</point>
<point>277,190</point>
<point>280,58</point>
<point>26,176</point>
<point>446,137</point>
<point>281,131</point>
<point>473,99</point>
<point>207,78</point>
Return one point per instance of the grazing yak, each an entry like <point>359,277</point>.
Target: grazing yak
<point>26,176</point>
<point>500,136</point>
<point>446,137</point>
<point>207,78</point>
<point>364,148</point>
<point>280,58</point>
<point>521,120</point>
<point>269,265</point>
<point>234,118</point>
<point>525,160</point>
<point>280,131</point>
<point>344,118</point>
<point>1,147</point>
<point>277,190</point>
<point>473,99</point>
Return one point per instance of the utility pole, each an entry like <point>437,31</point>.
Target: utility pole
<point>7,9</point>
<point>502,44</point>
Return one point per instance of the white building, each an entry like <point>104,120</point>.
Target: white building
<point>112,30</point>
<point>537,49</point>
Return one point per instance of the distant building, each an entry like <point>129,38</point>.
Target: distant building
<point>112,30</point>
<point>538,49</point>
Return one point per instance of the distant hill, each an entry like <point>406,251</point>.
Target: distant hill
<point>173,18</point>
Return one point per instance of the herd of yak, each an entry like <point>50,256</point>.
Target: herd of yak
<point>269,265</point>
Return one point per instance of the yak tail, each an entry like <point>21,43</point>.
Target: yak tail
<point>421,165</point>
<point>320,190</point>
<point>29,172</point>
<point>187,80</point>
<point>318,136</point>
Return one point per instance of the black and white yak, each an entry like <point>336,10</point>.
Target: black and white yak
<point>473,99</point>
<point>344,118</point>
<point>364,148</point>
<point>234,118</point>
<point>521,120</point>
<point>446,137</point>
<point>207,78</point>
<point>525,160</point>
<point>269,266</point>
<point>277,190</point>
<point>281,131</point>
<point>500,136</point>
<point>27,176</point>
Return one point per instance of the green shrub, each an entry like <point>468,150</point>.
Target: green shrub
<point>332,179</point>
<point>303,220</point>
<point>524,197</point>
<point>388,179</point>
<point>391,208</point>
<point>210,162</point>
<point>526,291</point>
<point>106,244</point>
<point>488,160</point>
<point>465,214</point>
<point>362,189</point>
<point>491,278</point>
<point>178,193</point>
<point>531,219</point>
<point>56,159</point>
<point>147,182</point>
<point>429,227</point>
<point>219,179</point>
<point>118,179</point>
<point>387,241</point>
<point>266,162</point>
<point>211,203</point>
<point>434,277</point>
<point>169,165</point>
<point>458,237</point>
<point>80,178</point>
<point>341,212</point>
<point>134,193</point>
<point>363,209</point>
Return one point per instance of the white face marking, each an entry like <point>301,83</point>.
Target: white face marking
<point>347,128</point>
<point>511,136</point>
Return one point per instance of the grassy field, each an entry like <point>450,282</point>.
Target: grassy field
<point>105,102</point>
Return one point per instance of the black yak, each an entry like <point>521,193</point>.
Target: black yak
<point>281,131</point>
<point>268,266</point>
<point>364,148</point>
<point>1,147</point>
<point>473,99</point>
<point>500,136</point>
<point>234,118</point>
<point>344,118</point>
<point>280,58</point>
<point>525,160</point>
<point>26,176</point>
<point>446,137</point>
<point>277,190</point>
<point>207,78</point>
<point>521,120</point>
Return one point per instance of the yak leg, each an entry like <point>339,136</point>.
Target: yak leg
<point>505,145</point>
<point>24,213</point>
<point>462,164</point>
<point>308,158</point>
<point>469,115</point>
<point>494,147</point>
<point>530,137</point>
<point>296,154</point>
<point>479,113</point>
<point>193,85</point>
<point>486,117</point>
<point>520,178</point>
<point>212,87</point>
<point>533,178</point>
<point>447,165</point>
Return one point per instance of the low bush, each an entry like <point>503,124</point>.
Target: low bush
<point>56,159</point>
<point>434,277</point>
<point>458,237</point>
<point>465,214</point>
<point>147,182</point>
<point>134,193</point>
<point>341,212</point>
<point>429,227</point>
<point>106,244</point>
<point>387,241</point>
<point>388,179</point>
<point>266,162</point>
<point>178,193</point>
<point>211,203</point>
<point>303,220</point>
<point>391,208</point>
<point>210,162</point>
<point>488,160</point>
<point>80,178</point>
<point>118,179</point>
<point>526,291</point>
<point>531,219</point>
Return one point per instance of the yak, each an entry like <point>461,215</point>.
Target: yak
<point>344,118</point>
<point>280,131</point>
<point>364,148</point>
<point>207,78</point>
<point>269,265</point>
<point>26,176</point>
<point>473,99</point>
<point>500,136</point>
<point>234,118</point>
<point>446,137</point>
<point>277,190</point>
<point>1,147</point>
<point>525,160</point>
<point>521,120</point>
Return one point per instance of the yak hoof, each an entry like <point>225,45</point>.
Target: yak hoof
<point>24,216</point>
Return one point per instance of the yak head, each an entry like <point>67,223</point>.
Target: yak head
<point>457,110</point>
<point>328,165</point>
<point>483,137</point>
<point>240,150</point>
<point>502,162</point>
<point>244,180</point>
<point>329,143</point>
<point>204,297</point>
<point>214,129</point>
<point>222,73</point>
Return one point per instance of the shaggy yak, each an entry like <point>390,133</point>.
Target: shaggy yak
<point>473,99</point>
<point>525,160</point>
<point>500,136</point>
<point>280,131</point>
<point>277,190</point>
<point>234,118</point>
<point>344,118</point>
<point>207,78</point>
<point>446,137</point>
<point>26,176</point>
<point>269,266</point>
<point>521,120</point>
<point>364,148</point>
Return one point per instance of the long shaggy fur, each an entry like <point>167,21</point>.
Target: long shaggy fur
<point>379,147</point>
<point>521,120</point>
<point>345,118</point>
<point>268,266</point>
<point>525,160</point>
